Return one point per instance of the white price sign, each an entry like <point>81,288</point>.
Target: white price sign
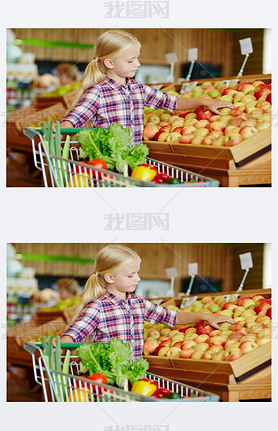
<point>187,86</point>
<point>246,46</point>
<point>188,301</point>
<point>193,268</point>
<point>246,260</point>
<point>171,57</point>
<point>171,272</point>
<point>193,54</point>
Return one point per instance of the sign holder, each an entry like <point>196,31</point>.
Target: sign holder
<point>246,263</point>
<point>246,49</point>
<point>192,271</point>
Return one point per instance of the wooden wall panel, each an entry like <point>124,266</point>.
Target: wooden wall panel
<point>215,260</point>
<point>254,278</point>
<point>215,46</point>
<point>254,63</point>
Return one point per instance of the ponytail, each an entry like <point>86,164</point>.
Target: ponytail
<point>94,73</point>
<point>93,290</point>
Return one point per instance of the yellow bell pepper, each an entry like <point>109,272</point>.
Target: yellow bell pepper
<point>79,395</point>
<point>143,173</point>
<point>142,387</point>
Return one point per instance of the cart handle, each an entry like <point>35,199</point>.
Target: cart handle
<point>31,133</point>
<point>32,347</point>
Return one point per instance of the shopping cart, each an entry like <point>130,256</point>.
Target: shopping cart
<point>61,387</point>
<point>59,172</point>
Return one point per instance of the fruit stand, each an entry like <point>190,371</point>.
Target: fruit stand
<point>234,148</point>
<point>233,374</point>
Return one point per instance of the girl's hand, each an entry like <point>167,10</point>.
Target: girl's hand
<point>215,104</point>
<point>214,319</point>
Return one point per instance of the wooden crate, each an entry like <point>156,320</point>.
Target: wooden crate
<point>66,315</point>
<point>31,116</point>
<point>67,100</point>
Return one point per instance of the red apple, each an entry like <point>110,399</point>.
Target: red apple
<point>261,307</point>
<point>177,129</point>
<point>161,137</point>
<point>268,313</point>
<point>268,98</point>
<point>217,340</point>
<point>208,355</point>
<point>248,131</point>
<point>186,139</point>
<point>184,114</point>
<point>201,124</point>
<point>186,353</point>
<point>237,111</point>
<point>188,129</point>
<point>187,344</point>
<point>232,139</point>
<point>236,121</point>
<point>149,132</point>
<point>214,118</point>
<point>203,338</point>
<point>263,92</point>
<point>150,346</point>
<point>217,125</point>
<point>248,346</point>
<point>165,128</point>
<point>233,353</point>
<point>242,299</point>
<point>242,84</point>
<point>207,329</point>
<point>204,115</point>
<point>208,140</point>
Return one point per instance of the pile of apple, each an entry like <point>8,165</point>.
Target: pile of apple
<point>251,329</point>
<point>250,115</point>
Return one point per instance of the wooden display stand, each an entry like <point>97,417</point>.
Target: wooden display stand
<point>246,378</point>
<point>245,164</point>
<point>47,316</point>
<point>67,100</point>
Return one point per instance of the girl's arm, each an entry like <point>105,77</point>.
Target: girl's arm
<point>212,104</point>
<point>213,319</point>
<point>66,124</point>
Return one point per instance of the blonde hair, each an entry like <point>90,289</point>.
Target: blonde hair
<point>108,45</point>
<point>109,259</point>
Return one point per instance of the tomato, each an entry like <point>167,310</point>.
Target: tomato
<point>98,378</point>
<point>97,163</point>
<point>161,178</point>
<point>161,393</point>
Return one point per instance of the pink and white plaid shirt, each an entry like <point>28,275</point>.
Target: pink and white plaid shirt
<point>109,102</point>
<point>111,317</point>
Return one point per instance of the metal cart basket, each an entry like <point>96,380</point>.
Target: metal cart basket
<point>59,172</point>
<point>61,387</point>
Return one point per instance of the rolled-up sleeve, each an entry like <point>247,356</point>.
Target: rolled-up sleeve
<point>157,100</point>
<point>85,324</point>
<point>157,314</point>
<point>86,108</point>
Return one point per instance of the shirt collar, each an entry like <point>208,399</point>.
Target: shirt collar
<point>114,84</point>
<point>113,298</point>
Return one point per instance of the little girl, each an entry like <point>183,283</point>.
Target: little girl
<point>108,94</point>
<point>109,309</point>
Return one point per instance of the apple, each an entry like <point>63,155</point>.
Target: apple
<point>177,344</point>
<point>214,118</point>
<point>187,129</point>
<point>217,125</point>
<point>214,93</point>
<point>165,117</point>
<point>232,353</point>
<point>216,348</point>
<point>229,305</point>
<point>225,119</point>
<point>201,124</point>
<point>268,313</point>
<point>163,338</point>
<point>197,140</point>
<point>236,335</point>
<point>255,328</point>
<point>262,341</point>
<point>228,90</point>
<point>186,139</point>
<point>203,338</point>
<point>247,313</point>
<point>264,333</point>
<point>225,111</point>
<point>236,121</point>
<point>238,96</point>
<point>150,346</point>
<point>201,132</point>
<point>176,129</point>
<point>172,137</point>
<point>227,312</point>
<point>208,140</point>
<point>197,354</point>
<point>173,351</point>
<point>205,115</point>
<point>166,343</point>
<point>232,139</point>
<point>256,113</point>
<point>162,352</point>
<point>185,113</point>
<point>186,353</point>
<point>207,329</point>
<point>165,331</point>
<point>208,355</point>
<point>149,132</point>
<point>237,111</point>
<point>201,346</point>
<point>184,328</point>
<point>214,333</point>
<point>219,142</point>
<point>230,342</point>
<point>162,136</point>
<point>190,330</point>
<point>190,116</point>
<point>218,356</point>
<point>187,344</point>
<point>215,134</point>
<point>217,340</point>
<point>263,92</point>
<point>258,84</point>
<point>242,299</point>
<point>173,118</point>
<point>153,333</point>
<point>261,307</point>
<point>263,319</point>
<point>248,346</point>
<point>269,98</point>
<point>190,336</point>
<point>227,97</point>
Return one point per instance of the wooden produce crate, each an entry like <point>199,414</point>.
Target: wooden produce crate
<point>67,100</point>
<point>27,331</point>
<point>66,315</point>
<point>31,116</point>
<point>246,378</point>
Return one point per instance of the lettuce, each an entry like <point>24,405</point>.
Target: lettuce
<point>114,361</point>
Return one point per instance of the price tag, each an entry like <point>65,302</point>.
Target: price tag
<point>193,54</point>
<point>246,260</point>
<point>187,86</point>
<point>246,46</point>
<point>193,268</point>
<point>228,297</point>
<point>171,57</point>
<point>227,82</point>
<point>171,272</point>
<point>188,301</point>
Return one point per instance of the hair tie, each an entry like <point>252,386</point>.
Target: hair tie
<point>95,58</point>
<point>96,273</point>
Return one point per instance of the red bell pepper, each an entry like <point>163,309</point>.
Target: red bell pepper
<point>161,178</point>
<point>161,393</point>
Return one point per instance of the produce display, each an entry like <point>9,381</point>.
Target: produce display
<point>62,304</point>
<point>61,90</point>
<point>251,329</point>
<point>250,115</point>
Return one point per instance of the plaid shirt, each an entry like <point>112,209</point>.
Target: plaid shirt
<point>109,102</point>
<point>111,317</point>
